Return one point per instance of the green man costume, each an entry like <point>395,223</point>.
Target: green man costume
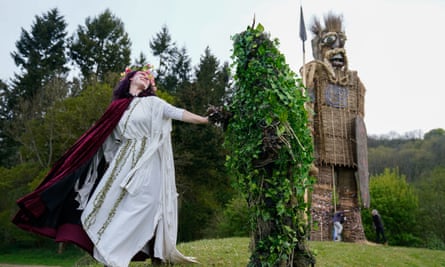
<point>339,134</point>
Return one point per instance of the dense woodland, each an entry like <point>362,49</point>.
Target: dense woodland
<point>64,81</point>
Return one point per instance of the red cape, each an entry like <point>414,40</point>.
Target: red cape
<point>49,210</point>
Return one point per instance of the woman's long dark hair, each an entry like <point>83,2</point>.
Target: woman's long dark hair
<point>122,89</point>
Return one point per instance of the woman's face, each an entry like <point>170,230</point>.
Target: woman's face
<point>141,80</point>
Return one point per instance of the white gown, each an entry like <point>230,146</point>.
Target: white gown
<point>136,197</point>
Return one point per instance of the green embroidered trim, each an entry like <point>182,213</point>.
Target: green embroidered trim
<point>100,197</point>
<point>139,155</point>
<point>141,152</point>
<point>128,117</point>
<point>123,192</point>
<point>111,214</point>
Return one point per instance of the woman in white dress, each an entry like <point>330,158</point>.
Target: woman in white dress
<point>136,200</point>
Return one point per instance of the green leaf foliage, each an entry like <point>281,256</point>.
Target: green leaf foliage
<point>420,161</point>
<point>234,219</point>
<point>397,204</point>
<point>269,148</point>
<point>41,54</point>
<point>412,155</point>
<point>101,46</point>
<point>202,179</point>
<point>14,183</point>
<point>174,67</point>
<point>45,139</point>
<point>431,191</point>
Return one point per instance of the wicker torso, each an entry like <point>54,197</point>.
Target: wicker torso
<point>337,99</point>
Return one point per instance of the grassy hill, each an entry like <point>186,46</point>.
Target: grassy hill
<point>234,252</point>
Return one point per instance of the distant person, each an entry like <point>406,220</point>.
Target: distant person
<point>378,225</point>
<point>338,220</point>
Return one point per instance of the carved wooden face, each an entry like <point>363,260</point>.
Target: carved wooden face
<point>329,41</point>
<point>332,48</point>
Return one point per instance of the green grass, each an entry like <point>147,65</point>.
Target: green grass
<point>234,252</point>
<point>41,256</point>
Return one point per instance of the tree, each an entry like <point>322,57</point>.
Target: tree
<point>179,74</point>
<point>44,139</point>
<point>101,46</point>
<point>397,203</point>
<point>8,145</point>
<point>413,157</point>
<point>434,133</point>
<point>217,81</point>
<point>270,150</point>
<point>35,133</point>
<point>11,189</point>
<point>174,64</point>
<point>163,47</point>
<point>431,191</point>
<point>41,58</point>
<point>141,60</point>
<point>434,143</point>
<point>40,55</point>
<point>202,178</point>
<point>381,157</point>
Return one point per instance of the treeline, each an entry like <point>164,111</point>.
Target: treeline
<point>63,85</point>
<point>413,155</point>
<point>407,187</point>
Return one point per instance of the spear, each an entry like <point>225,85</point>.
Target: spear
<point>303,37</point>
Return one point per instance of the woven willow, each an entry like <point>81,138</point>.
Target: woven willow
<point>338,99</point>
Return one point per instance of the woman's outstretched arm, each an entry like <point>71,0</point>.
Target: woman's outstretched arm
<point>190,117</point>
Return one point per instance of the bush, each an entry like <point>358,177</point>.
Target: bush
<point>397,203</point>
<point>234,219</point>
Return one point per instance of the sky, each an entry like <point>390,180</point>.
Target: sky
<point>396,46</point>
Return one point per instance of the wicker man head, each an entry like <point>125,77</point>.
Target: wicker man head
<point>329,41</point>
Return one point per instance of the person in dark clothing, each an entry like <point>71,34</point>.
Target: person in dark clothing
<point>378,225</point>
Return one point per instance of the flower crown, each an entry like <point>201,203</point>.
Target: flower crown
<point>146,68</point>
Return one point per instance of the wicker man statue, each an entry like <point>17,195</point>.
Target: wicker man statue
<point>340,139</point>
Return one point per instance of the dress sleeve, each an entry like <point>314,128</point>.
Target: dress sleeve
<point>173,112</point>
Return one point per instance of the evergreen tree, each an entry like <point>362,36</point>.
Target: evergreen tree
<point>5,110</point>
<point>174,64</point>
<point>101,46</point>
<point>210,74</point>
<point>178,74</point>
<point>41,58</point>
<point>8,145</point>
<point>163,47</point>
<point>40,55</point>
<point>202,179</point>
<point>141,60</point>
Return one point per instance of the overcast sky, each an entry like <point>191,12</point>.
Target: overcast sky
<point>395,45</point>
